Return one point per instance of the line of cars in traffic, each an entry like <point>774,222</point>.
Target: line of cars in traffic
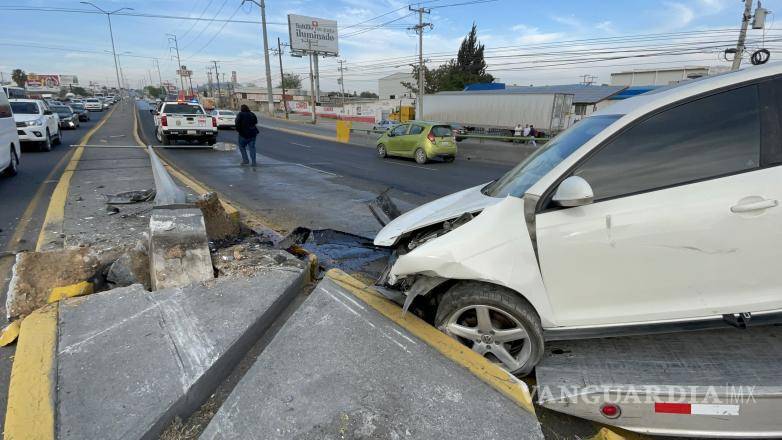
<point>39,122</point>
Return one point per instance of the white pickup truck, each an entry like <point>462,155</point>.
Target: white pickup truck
<point>184,121</point>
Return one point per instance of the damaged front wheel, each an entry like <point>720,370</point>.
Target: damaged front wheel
<point>495,322</point>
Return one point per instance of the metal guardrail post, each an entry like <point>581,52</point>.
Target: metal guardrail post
<point>167,192</point>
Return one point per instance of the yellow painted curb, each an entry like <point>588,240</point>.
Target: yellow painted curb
<point>30,410</point>
<point>55,213</point>
<point>9,334</point>
<point>69,291</point>
<point>497,378</point>
<point>232,212</point>
<point>611,433</point>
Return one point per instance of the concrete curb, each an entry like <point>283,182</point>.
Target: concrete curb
<point>497,378</point>
<point>52,227</point>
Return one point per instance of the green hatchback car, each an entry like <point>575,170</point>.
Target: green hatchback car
<point>419,140</point>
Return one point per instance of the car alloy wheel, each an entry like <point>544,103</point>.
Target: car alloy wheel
<point>420,156</point>
<point>47,144</point>
<point>381,151</point>
<point>492,333</point>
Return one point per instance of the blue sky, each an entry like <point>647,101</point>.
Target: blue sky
<point>521,27</point>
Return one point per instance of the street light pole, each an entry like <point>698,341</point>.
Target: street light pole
<point>111,33</point>
<point>269,94</point>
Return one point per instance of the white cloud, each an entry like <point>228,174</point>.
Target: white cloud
<point>676,15</point>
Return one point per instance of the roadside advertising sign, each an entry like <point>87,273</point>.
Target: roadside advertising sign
<point>311,34</point>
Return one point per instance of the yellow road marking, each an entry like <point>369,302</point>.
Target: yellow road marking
<point>491,374</point>
<point>55,213</point>
<point>10,333</point>
<point>30,410</point>
<point>69,291</point>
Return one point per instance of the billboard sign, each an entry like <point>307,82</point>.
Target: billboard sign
<point>42,82</point>
<point>311,34</point>
<point>69,80</point>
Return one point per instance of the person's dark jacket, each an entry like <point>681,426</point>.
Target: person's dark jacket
<point>246,124</point>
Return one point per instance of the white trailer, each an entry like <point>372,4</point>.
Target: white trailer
<point>549,112</point>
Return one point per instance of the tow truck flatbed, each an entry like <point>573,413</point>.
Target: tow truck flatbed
<point>716,383</point>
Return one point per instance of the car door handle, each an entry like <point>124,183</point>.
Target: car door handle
<point>753,206</point>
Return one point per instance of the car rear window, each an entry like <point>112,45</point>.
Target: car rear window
<point>92,101</point>
<point>183,109</point>
<point>441,130</point>
<point>25,108</point>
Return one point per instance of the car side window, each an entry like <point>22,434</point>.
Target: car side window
<point>416,129</point>
<point>5,107</point>
<point>714,136</point>
<point>400,130</point>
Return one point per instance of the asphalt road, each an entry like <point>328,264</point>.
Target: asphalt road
<point>24,200</point>
<point>338,178</point>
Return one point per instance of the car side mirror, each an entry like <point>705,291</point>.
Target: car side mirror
<point>47,112</point>
<point>573,191</point>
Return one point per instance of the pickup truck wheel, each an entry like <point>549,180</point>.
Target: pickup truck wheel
<point>13,167</point>
<point>420,156</point>
<point>158,136</point>
<point>495,322</point>
<point>47,144</point>
<point>211,141</point>
<point>381,151</point>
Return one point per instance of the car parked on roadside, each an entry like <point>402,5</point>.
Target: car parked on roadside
<point>10,152</point>
<point>93,105</point>
<point>225,118</point>
<point>79,109</point>
<point>384,125</point>
<point>658,213</point>
<point>68,118</point>
<point>419,140</point>
<point>36,122</point>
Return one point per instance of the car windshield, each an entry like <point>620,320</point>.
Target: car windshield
<point>183,109</point>
<point>92,101</point>
<point>518,180</point>
<point>25,108</point>
<point>61,110</point>
<point>77,106</point>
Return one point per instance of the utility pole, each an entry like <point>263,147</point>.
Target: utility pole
<point>419,28</point>
<point>219,92</point>
<point>342,69</point>
<point>742,35</point>
<point>270,97</point>
<point>317,78</point>
<point>172,38</point>
<point>282,77</point>
<point>111,34</point>
<point>312,92</point>
<point>159,76</point>
<point>209,81</point>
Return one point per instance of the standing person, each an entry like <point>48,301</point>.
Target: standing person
<point>525,132</point>
<point>533,133</point>
<point>517,131</point>
<point>246,122</point>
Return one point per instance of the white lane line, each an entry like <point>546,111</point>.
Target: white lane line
<point>403,335</point>
<point>318,170</point>
<point>382,333</point>
<point>411,166</point>
<point>300,145</point>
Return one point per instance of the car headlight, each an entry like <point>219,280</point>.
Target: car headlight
<point>35,122</point>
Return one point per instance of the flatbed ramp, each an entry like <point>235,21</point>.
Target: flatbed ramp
<point>717,383</point>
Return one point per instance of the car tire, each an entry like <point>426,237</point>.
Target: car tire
<point>420,156</point>
<point>57,140</point>
<point>449,159</point>
<point>211,141</point>
<point>458,316</point>
<point>13,167</point>
<point>381,151</point>
<point>47,144</point>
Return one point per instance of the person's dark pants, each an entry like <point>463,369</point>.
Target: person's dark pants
<point>246,144</point>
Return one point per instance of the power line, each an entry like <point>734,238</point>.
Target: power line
<point>207,25</point>
<point>216,33</point>
<point>195,22</point>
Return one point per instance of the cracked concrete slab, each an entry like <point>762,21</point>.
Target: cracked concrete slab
<point>339,369</point>
<point>129,360</point>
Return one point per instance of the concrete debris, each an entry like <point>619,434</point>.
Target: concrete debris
<point>35,274</point>
<point>224,146</point>
<point>132,267</point>
<point>252,257</point>
<point>178,248</point>
<point>297,237</point>
<point>219,225</point>
<point>128,197</point>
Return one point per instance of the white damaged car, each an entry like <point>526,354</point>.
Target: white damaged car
<point>658,213</point>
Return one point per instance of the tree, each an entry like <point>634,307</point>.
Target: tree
<point>155,92</point>
<point>290,81</point>
<point>367,95</point>
<point>80,91</point>
<point>469,67</point>
<point>19,77</point>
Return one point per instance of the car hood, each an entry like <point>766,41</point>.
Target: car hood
<point>446,208</point>
<point>21,117</point>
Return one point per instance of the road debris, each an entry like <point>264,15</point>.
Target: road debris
<point>219,225</point>
<point>128,197</point>
<point>132,267</point>
<point>384,209</point>
<point>73,290</point>
<point>251,256</point>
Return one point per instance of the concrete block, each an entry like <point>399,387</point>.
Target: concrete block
<point>178,248</point>
<point>129,361</point>
<point>339,369</point>
<point>219,223</point>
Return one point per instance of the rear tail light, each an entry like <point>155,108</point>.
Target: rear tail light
<point>214,121</point>
<point>610,410</point>
<point>430,136</point>
<point>163,121</point>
